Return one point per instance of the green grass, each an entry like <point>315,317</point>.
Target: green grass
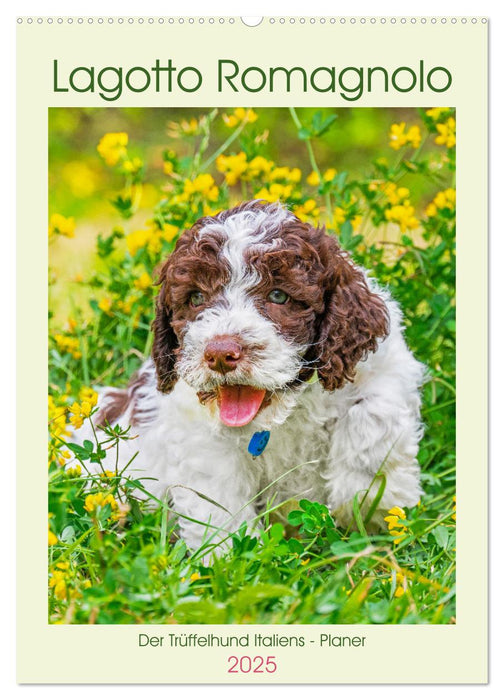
<point>122,562</point>
<point>138,571</point>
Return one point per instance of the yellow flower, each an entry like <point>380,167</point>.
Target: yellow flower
<point>143,282</point>
<point>230,120</point>
<point>168,167</point>
<point>401,584</point>
<point>446,133</point>
<point>245,114</point>
<point>356,221</point>
<point>454,514</point>
<point>330,174</point>
<point>81,179</point>
<point>188,127</point>
<point>233,167</point>
<point>285,173</point>
<point>132,166</point>
<point>75,471</point>
<point>436,112</point>
<point>339,216</point>
<point>294,175</point>
<point>151,238</point>
<point>210,211</point>
<point>265,194</point>
<point>68,344</point>
<point>443,200</point>
<point>169,232</point>
<point>125,305</point>
<point>431,210</point>
<point>158,564</point>
<point>52,537</point>
<point>89,395</point>
<point>112,147</point>
<point>280,191</point>
<point>203,184</point>
<point>399,512</point>
<point>446,199</point>
<point>399,137</point>
<point>58,583</point>
<point>80,411</point>
<point>136,240</point>
<point>107,474</point>
<point>63,457</point>
<point>195,576</point>
<point>51,405</point>
<point>306,210</point>
<point>59,225</point>
<point>94,501</point>
<point>414,136</point>
<point>57,419</point>
<point>404,215</point>
<point>154,244</point>
<point>105,305</point>
<point>259,167</point>
<point>313,179</point>
<point>394,194</point>
<point>389,189</point>
<point>280,173</point>
<point>59,577</point>
<point>86,409</point>
<point>76,419</point>
<point>239,115</point>
<point>274,193</point>
<point>399,530</point>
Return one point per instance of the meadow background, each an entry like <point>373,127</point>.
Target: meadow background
<point>123,184</point>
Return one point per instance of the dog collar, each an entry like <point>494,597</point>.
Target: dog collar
<point>258,442</point>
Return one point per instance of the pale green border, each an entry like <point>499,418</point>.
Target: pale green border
<point>392,654</point>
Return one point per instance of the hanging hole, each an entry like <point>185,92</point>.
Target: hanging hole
<point>251,21</point>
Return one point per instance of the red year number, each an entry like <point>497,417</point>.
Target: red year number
<point>257,664</point>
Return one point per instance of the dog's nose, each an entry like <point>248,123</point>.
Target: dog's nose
<point>223,354</point>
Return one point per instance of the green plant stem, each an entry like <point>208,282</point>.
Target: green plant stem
<point>313,161</point>
<point>203,145</point>
<point>225,145</point>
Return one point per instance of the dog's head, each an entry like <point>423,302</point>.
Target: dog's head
<point>253,301</point>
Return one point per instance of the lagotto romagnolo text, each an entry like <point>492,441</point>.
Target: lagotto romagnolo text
<point>229,77</point>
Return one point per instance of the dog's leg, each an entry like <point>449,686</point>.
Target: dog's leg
<point>213,504</point>
<point>377,435</point>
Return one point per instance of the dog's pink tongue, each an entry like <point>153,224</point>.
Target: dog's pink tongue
<point>239,404</point>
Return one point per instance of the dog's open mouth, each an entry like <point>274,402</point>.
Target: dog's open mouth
<point>238,404</point>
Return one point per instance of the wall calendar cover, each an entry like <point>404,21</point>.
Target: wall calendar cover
<point>264,364</point>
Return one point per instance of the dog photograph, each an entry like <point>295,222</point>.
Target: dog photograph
<point>252,365</point>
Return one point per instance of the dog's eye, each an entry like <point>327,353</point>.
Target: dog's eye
<point>197,298</point>
<point>277,296</point>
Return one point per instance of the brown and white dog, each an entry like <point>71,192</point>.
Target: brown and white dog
<point>264,323</point>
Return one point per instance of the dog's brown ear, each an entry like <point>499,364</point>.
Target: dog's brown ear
<point>165,344</point>
<point>354,319</point>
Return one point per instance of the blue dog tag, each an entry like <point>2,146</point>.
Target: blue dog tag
<point>258,442</point>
